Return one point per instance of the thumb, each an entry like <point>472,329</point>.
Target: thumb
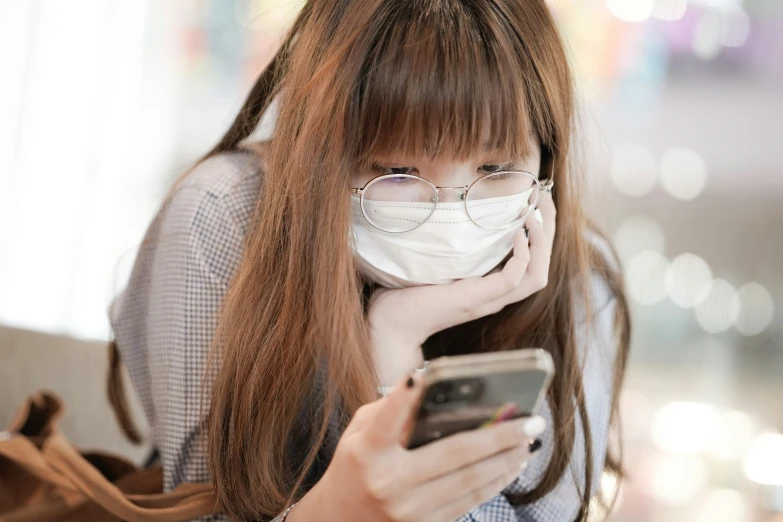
<point>395,410</point>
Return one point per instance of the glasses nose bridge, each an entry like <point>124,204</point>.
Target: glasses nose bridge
<point>460,192</point>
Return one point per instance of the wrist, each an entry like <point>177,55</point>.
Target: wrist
<point>312,506</point>
<point>392,361</point>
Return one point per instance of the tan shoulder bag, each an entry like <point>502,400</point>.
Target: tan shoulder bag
<point>44,478</point>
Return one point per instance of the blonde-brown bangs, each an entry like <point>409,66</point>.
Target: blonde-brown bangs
<point>445,82</point>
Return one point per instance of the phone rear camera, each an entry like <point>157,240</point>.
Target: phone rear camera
<point>465,389</point>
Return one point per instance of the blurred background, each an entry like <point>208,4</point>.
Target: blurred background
<point>103,104</point>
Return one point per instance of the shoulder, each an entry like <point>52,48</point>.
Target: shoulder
<point>229,182</point>
<point>209,211</point>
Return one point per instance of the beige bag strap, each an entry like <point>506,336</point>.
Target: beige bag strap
<point>188,501</point>
<point>22,452</point>
<point>59,464</point>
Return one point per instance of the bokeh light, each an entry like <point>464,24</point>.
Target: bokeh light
<point>635,414</point>
<point>674,479</point>
<point>633,169</point>
<point>683,173</point>
<point>763,462</point>
<point>757,309</point>
<point>638,233</point>
<point>707,35</point>
<point>266,15</point>
<point>720,309</point>
<point>688,280</point>
<point>668,10</point>
<point>734,437</point>
<point>630,10</point>
<point>646,277</point>
<point>685,427</point>
<point>610,486</point>
<point>724,505</point>
<point>736,27</point>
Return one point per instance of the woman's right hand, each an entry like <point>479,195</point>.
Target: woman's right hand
<point>372,476</point>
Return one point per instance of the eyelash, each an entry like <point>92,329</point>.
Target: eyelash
<point>387,170</point>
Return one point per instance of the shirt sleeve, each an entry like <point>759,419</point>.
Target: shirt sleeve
<point>193,267</point>
<point>165,319</point>
<point>563,502</point>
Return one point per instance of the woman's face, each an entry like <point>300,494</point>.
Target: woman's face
<point>451,173</point>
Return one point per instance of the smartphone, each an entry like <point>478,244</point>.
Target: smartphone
<point>466,392</point>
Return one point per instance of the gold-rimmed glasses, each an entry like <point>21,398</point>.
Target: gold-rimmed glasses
<point>496,201</point>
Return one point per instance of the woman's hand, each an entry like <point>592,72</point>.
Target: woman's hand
<point>372,476</point>
<point>401,320</point>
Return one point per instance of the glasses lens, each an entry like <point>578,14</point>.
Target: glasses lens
<point>398,203</point>
<point>503,199</point>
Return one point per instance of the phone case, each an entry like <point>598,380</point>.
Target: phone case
<point>477,390</point>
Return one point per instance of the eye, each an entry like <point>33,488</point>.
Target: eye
<point>489,169</point>
<point>391,170</point>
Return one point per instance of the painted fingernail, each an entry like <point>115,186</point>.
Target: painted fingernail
<point>539,216</point>
<point>536,445</point>
<point>409,383</point>
<point>527,233</point>
<point>532,427</point>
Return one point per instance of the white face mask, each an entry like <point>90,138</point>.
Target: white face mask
<point>447,247</point>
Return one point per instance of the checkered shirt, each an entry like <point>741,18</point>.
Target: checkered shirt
<point>165,318</point>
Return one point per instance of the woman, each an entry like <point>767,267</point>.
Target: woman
<point>286,257</point>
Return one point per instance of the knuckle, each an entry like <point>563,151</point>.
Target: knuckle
<point>510,283</point>
<point>494,487</point>
<point>377,489</point>
<point>470,312</point>
<point>503,438</point>
<point>362,413</point>
<point>469,478</point>
<point>479,496</point>
<point>356,453</point>
<point>401,511</point>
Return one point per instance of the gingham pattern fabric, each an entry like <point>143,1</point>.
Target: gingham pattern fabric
<point>164,321</point>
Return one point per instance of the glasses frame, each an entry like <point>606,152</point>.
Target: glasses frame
<point>543,186</point>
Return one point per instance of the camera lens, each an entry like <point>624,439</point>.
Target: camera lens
<point>465,389</point>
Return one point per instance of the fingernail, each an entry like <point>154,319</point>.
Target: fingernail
<point>409,383</point>
<point>532,426</point>
<point>539,216</point>
<point>527,233</point>
<point>536,445</point>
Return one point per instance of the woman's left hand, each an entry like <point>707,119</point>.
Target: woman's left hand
<point>401,320</point>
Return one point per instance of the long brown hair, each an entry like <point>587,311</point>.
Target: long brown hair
<point>364,78</point>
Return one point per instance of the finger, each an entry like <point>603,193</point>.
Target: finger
<point>462,300</point>
<point>471,293</point>
<point>470,500</point>
<point>394,410</point>
<point>540,246</point>
<point>462,449</point>
<point>549,213</point>
<point>541,236</point>
<point>364,416</point>
<point>448,488</point>
<point>541,231</point>
<point>517,264</point>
